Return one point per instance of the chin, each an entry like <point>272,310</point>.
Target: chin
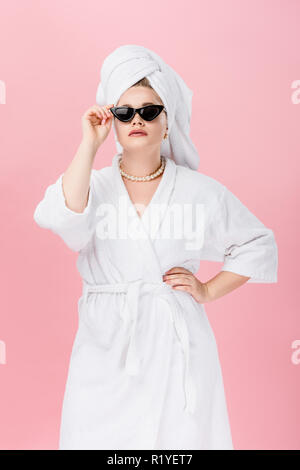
<point>137,141</point>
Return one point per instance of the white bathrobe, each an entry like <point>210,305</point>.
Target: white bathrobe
<point>144,371</point>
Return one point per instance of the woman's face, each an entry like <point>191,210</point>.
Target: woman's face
<point>136,97</point>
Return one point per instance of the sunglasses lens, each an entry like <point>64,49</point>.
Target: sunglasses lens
<point>150,112</point>
<point>124,113</point>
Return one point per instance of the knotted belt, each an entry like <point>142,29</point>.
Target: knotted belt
<point>134,289</point>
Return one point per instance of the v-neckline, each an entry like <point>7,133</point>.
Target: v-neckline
<point>156,193</point>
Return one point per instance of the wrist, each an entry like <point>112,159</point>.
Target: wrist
<point>208,297</point>
<point>90,145</point>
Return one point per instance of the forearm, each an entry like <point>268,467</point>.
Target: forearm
<point>76,179</point>
<point>223,283</point>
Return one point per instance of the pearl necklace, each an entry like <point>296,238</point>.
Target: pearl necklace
<point>148,177</point>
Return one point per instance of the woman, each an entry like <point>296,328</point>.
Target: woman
<point>144,370</point>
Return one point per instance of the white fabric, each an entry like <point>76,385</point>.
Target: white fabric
<point>130,313</point>
<point>128,64</point>
<point>144,370</point>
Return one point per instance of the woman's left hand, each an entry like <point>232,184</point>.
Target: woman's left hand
<point>183,279</point>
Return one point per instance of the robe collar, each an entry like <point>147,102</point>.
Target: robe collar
<point>161,197</point>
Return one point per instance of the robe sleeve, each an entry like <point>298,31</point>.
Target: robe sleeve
<point>241,241</point>
<point>75,228</point>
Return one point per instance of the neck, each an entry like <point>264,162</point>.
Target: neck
<point>140,164</point>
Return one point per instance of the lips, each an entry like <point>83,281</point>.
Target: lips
<point>137,133</point>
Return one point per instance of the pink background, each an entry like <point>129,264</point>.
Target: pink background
<point>240,58</point>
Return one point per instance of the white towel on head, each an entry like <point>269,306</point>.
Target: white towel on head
<point>128,64</point>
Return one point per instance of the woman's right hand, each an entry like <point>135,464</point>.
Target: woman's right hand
<point>96,124</point>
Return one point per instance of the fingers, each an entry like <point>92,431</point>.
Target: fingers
<point>107,114</point>
<point>105,111</point>
<point>178,279</point>
<point>184,288</point>
<point>102,112</point>
<point>178,272</point>
<point>179,276</point>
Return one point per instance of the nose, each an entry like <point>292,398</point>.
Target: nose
<point>137,120</point>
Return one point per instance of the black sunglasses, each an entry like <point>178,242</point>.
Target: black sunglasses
<point>148,113</point>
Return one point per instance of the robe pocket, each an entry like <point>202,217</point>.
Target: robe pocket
<point>102,318</point>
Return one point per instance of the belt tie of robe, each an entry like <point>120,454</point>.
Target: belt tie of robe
<point>133,290</point>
